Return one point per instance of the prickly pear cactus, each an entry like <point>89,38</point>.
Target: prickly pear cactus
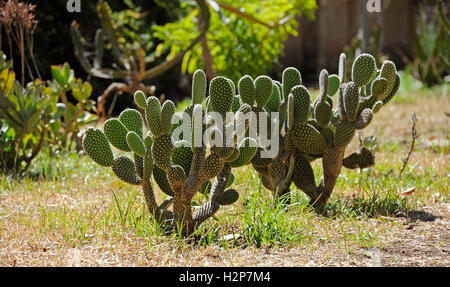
<point>315,130</point>
<point>242,132</point>
<point>181,167</point>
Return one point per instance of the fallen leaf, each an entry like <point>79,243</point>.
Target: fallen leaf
<point>409,191</point>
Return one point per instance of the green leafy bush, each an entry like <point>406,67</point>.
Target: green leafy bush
<point>24,118</point>
<point>243,37</point>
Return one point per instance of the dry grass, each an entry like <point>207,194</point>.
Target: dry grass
<point>72,219</point>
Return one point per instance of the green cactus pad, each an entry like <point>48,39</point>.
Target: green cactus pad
<point>290,112</point>
<point>247,90</point>
<point>135,143</point>
<point>341,107</point>
<point>351,101</point>
<point>342,66</point>
<point>258,161</point>
<point>132,120</point>
<point>213,165</point>
<point>247,150</point>
<point>153,116</point>
<point>283,110</point>
<point>274,103</point>
<point>388,71</point>
<point>394,90</point>
<point>333,85</point>
<point>162,150</point>
<point>97,147</point>
<point>363,119</point>
<point>328,134</point>
<point>291,78</point>
<point>361,159</point>
<point>363,69</point>
<point>302,103</point>
<point>198,87</point>
<point>307,139</point>
<point>197,126</point>
<point>167,111</point>
<point>222,95</point>
<point>116,133</point>
<point>182,156</point>
<point>303,175</point>
<point>148,141</point>
<point>263,86</point>
<point>124,168</point>
<point>241,118</point>
<point>322,113</point>
<point>139,165</point>
<point>140,99</point>
<point>162,181</point>
<point>323,85</point>
<point>378,88</point>
<point>228,197</point>
<point>176,176</point>
<point>233,86</point>
<point>277,171</point>
<point>344,134</point>
<point>236,104</point>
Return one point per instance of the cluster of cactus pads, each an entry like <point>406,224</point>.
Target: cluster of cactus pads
<point>186,165</point>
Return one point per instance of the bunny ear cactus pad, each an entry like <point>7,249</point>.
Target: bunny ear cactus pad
<point>247,90</point>
<point>389,72</point>
<point>263,86</point>
<point>124,168</point>
<point>162,181</point>
<point>162,150</point>
<point>96,145</point>
<point>213,166</point>
<point>344,134</point>
<point>140,99</point>
<point>333,85</point>
<point>182,156</point>
<point>342,65</point>
<point>198,87</point>
<point>379,87</point>
<point>291,78</point>
<point>132,120</point>
<point>275,100</point>
<point>361,159</point>
<point>303,176</point>
<point>228,197</point>
<point>135,143</point>
<point>247,150</point>
<point>222,95</point>
<point>153,116</point>
<point>307,139</point>
<point>302,103</point>
<point>116,133</point>
<point>363,69</point>
<point>167,111</point>
<point>351,101</point>
<point>394,90</point>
